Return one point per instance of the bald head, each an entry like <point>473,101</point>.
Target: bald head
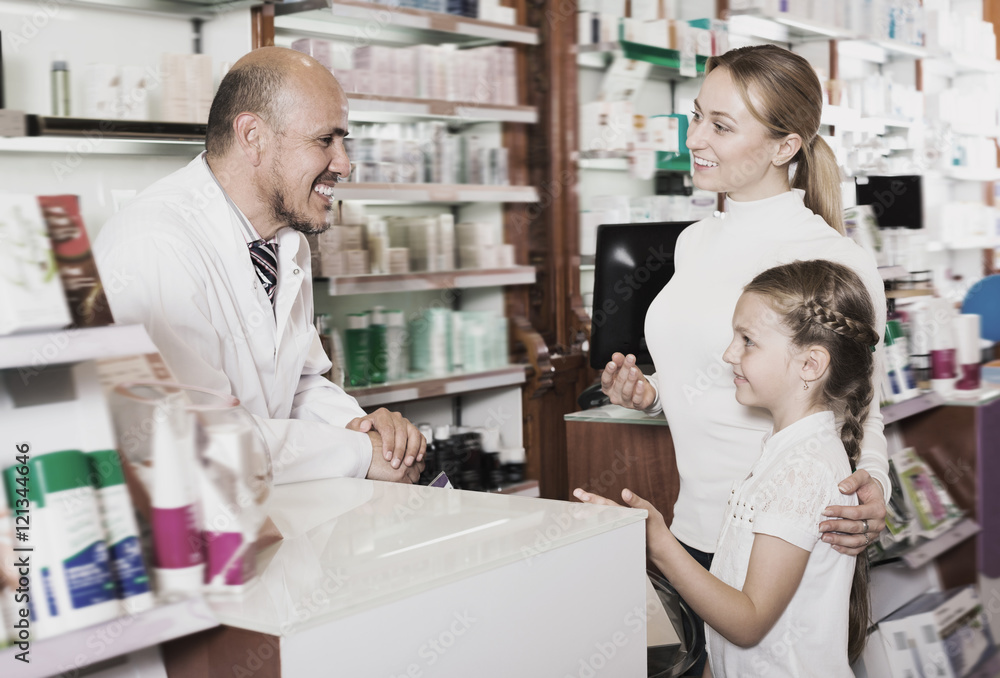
<point>265,82</point>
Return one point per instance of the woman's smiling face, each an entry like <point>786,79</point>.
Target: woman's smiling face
<point>733,152</point>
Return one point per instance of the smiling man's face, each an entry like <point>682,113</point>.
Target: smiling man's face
<point>307,156</point>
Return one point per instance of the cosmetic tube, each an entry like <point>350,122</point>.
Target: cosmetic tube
<point>177,545</point>
<point>118,515</point>
<point>967,350</point>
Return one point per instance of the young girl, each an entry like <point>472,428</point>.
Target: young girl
<point>774,604</point>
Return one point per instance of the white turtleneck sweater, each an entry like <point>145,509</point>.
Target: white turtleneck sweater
<point>689,326</point>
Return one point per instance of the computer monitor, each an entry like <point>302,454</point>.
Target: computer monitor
<point>632,264</point>
<point>896,200</point>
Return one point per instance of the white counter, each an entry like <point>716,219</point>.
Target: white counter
<point>376,579</point>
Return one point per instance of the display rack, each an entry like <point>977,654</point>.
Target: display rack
<point>431,280</point>
<point>396,24</point>
<point>376,108</point>
<point>908,408</point>
<point>451,385</point>
<point>65,145</point>
<point>444,194</point>
<point>926,551</point>
<point>58,347</point>
<point>73,652</point>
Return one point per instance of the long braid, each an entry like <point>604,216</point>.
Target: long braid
<point>826,304</point>
<point>857,402</point>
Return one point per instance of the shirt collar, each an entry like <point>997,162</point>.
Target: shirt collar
<point>249,233</point>
<point>819,426</point>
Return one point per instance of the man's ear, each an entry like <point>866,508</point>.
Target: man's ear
<point>816,362</point>
<point>787,149</point>
<point>250,131</point>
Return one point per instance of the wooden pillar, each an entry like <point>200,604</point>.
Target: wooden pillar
<point>262,26</point>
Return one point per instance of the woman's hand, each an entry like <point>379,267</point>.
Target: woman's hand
<point>858,526</point>
<point>657,532</point>
<point>625,385</point>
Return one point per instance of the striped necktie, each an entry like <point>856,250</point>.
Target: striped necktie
<point>265,260</point>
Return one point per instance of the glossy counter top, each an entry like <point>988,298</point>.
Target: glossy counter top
<point>351,545</point>
<point>616,414</point>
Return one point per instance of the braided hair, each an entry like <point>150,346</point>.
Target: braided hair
<point>826,304</point>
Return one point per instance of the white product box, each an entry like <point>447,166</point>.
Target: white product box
<point>101,85</point>
<point>615,8</point>
<point>31,291</point>
<point>317,49</point>
<point>133,96</point>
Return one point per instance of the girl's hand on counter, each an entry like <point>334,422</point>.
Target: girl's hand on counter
<point>658,535</point>
<point>625,385</point>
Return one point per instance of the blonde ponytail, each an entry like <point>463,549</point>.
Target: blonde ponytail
<point>818,175</point>
<point>788,99</point>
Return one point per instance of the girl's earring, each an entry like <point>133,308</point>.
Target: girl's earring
<point>805,385</point>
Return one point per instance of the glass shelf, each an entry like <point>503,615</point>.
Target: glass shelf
<point>668,60</point>
<point>448,194</point>
<point>453,384</point>
<point>63,346</point>
<point>105,146</point>
<point>393,24</point>
<point>429,280</point>
<point>84,647</point>
<point>376,108</point>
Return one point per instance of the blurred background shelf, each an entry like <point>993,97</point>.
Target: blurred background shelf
<point>453,384</point>
<point>436,280</point>
<point>57,347</point>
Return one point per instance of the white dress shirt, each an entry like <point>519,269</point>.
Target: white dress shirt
<point>182,248</point>
<point>784,496</point>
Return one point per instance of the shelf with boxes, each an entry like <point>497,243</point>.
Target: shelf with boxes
<point>435,387</point>
<point>430,280</point>
<point>442,194</point>
<point>379,108</point>
<point>394,22</point>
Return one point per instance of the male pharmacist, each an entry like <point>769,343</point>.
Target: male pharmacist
<point>219,270</point>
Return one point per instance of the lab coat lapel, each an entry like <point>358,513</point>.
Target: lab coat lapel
<point>290,276</point>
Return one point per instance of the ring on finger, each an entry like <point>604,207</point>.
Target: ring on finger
<point>865,523</point>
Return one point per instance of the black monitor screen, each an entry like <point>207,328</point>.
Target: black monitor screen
<point>895,200</point>
<point>632,264</point>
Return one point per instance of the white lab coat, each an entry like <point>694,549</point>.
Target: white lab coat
<point>189,280</point>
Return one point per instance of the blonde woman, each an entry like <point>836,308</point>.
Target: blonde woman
<point>756,115</point>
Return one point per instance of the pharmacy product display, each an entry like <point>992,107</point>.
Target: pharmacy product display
<point>362,244</point>
<point>471,457</point>
<point>380,346</point>
<point>207,477</point>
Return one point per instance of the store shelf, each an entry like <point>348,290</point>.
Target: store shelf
<point>453,384</point>
<point>667,59</point>
<point>973,173</point>
<point>437,280</point>
<point>893,272</point>
<point>58,347</point>
<point>908,408</point>
<point>392,23</point>
<point>976,130</point>
<point>906,294</point>
<point>849,120</point>
<point>105,146</point>
<point>205,9</point>
<point>615,161</point>
<point>983,243</point>
<point>448,194</point>
<point>929,550</point>
<point>74,651</point>
<point>375,108</point>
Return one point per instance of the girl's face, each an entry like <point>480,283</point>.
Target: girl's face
<point>733,152</point>
<point>762,356</point>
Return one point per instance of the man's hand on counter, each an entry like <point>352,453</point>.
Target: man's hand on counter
<point>403,442</point>
<point>381,469</point>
